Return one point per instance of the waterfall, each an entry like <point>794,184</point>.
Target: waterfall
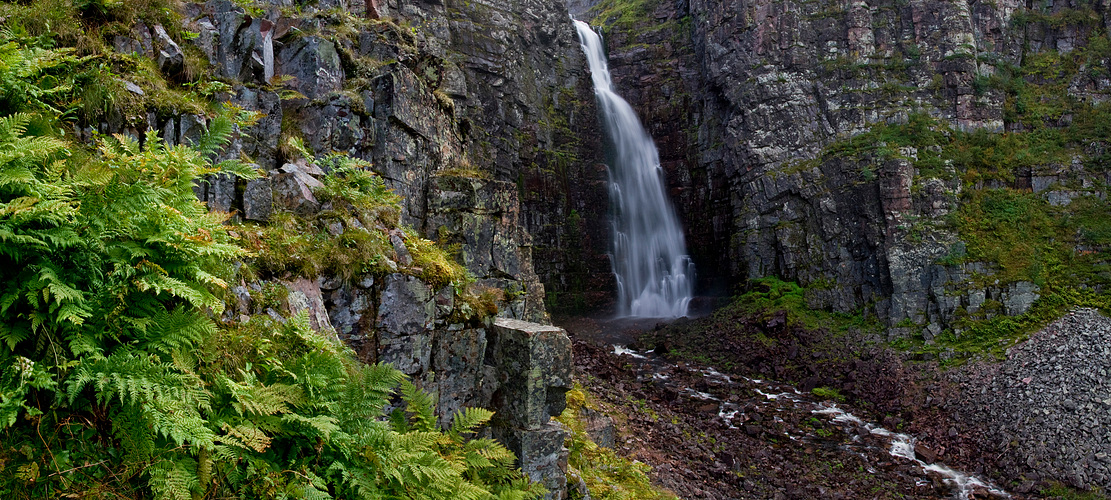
<point>650,260</point>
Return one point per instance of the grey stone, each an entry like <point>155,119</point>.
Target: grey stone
<point>599,427</point>
<point>305,296</point>
<point>314,66</point>
<point>445,301</point>
<point>293,191</point>
<point>134,89</point>
<point>458,359</point>
<point>1036,406</point>
<point>218,191</point>
<point>412,354</point>
<point>1019,297</point>
<point>403,256</point>
<point>258,200</point>
<point>406,306</point>
<point>171,60</point>
<point>534,371</point>
<point>541,454</point>
<point>224,51</point>
<point>410,102</point>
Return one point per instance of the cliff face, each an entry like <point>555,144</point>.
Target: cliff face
<point>479,115</point>
<point>524,112</point>
<point>937,164</point>
<point>754,105</point>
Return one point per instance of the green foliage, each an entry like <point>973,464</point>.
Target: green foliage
<point>350,236</point>
<point>636,18</point>
<point>1063,492</point>
<point>607,475</point>
<point>1012,228</point>
<point>771,296</point>
<point>92,87</point>
<point>624,14</point>
<point>85,24</point>
<point>34,79</point>
<point>1062,249</point>
<point>116,382</point>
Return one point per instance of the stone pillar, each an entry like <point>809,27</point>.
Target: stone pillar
<point>533,363</point>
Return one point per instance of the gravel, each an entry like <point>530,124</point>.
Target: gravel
<point>1047,408</point>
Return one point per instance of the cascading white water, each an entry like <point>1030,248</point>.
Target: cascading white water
<point>650,258</point>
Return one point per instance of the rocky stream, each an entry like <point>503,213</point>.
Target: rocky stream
<point>709,434</point>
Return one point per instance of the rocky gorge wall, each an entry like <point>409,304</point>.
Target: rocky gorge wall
<point>753,103</point>
<point>480,117</point>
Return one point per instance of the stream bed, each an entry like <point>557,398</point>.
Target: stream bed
<point>741,437</point>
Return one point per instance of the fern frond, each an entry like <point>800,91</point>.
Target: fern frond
<point>220,129</point>
<point>174,479</point>
<point>176,329</point>
<point>237,168</point>
<point>246,436</point>
<point>321,425</point>
<point>420,405</point>
<point>467,419</point>
<point>259,400</point>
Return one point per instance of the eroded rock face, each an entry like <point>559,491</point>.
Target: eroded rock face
<point>478,115</point>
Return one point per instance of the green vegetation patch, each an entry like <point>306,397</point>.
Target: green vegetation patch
<point>636,18</point>
<point>607,475</point>
<point>829,393</point>
<point>625,15</point>
<point>91,86</point>
<point>349,236</point>
<point>769,297</point>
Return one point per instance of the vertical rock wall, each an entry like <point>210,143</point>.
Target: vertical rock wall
<point>480,116</point>
<point>486,91</point>
<point>743,96</point>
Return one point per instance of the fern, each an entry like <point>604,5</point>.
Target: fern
<point>420,405</point>
<point>467,419</point>
<point>174,479</point>
<point>111,273</point>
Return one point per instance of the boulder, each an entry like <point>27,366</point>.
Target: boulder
<point>171,60</point>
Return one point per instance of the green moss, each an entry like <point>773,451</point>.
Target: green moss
<point>1013,229</point>
<point>828,393</point>
<point>625,15</point>
<point>771,296</point>
<point>1063,492</point>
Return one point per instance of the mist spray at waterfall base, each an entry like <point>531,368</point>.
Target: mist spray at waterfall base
<point>654,273</point>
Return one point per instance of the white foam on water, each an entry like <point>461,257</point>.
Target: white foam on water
<point>621,350</point>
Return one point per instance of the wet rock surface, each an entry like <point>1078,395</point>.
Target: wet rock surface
<point>709,434</point>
